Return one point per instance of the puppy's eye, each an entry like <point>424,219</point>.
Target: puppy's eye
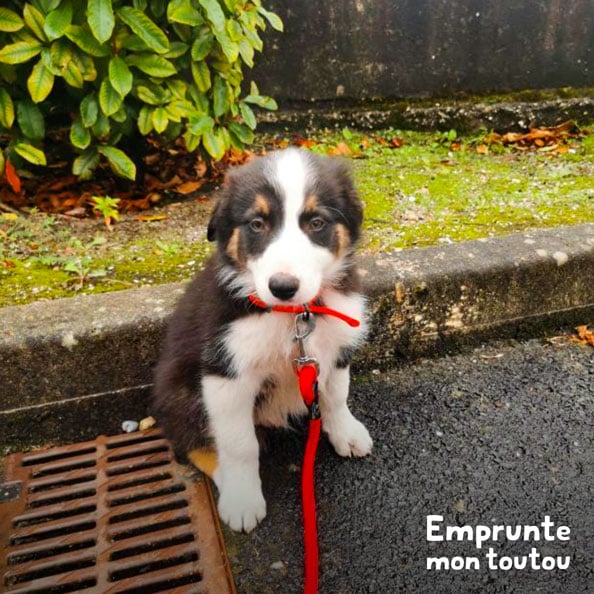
<point>257,225</point>
<point>317,224</point>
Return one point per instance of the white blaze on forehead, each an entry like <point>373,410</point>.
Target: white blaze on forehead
<point>291,178</point>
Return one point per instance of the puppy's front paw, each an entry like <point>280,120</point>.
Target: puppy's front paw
<point>349,437</point>
<point>241,508</point>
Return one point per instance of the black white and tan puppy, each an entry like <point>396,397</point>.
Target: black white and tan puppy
<point>286,225</point>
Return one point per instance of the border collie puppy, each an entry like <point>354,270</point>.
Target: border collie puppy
<point>286,225</point>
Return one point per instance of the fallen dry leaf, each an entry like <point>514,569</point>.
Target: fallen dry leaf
<point>12,177</point>
<point>342,149</point>
<point>189,186</point>
<point>150,218</point>
<point>584,336</point>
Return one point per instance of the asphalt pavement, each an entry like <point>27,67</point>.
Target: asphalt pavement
<point>503,435</point>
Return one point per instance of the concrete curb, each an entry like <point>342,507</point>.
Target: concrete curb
<point>79,366</point>
<point>463,116</point>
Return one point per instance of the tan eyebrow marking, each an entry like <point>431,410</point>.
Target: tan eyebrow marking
<point>261,205</point>
<point>311,204</point>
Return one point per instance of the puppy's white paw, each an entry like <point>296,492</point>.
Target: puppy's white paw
<point>349,437</point>
<point>240,507</point>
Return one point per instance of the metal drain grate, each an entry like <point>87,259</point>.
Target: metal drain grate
<point>111,515</point>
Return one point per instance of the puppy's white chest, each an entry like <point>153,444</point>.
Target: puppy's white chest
<point>265,343</point>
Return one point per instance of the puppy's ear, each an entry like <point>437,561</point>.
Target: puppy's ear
<point>217,217</point>
<point>353,208</point>
<point>211,231</point>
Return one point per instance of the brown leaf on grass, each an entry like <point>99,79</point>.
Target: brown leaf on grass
<point>305,142</point>
<point>584,336</point>
<point>482,149</point>
<point>342,149</point>
<point>397,142</point>
<point>548,139</point>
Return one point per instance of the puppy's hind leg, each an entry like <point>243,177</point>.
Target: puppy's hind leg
<point>230,407</point>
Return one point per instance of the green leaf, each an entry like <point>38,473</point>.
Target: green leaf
<point>214,143</point>
<point>119,162</point>
<point>177,87</point>
<point>30,119</point>
<point>247,52</point>
<point>262,101</point>
<point>34,20</point>
<point>182,11</point>
<point>85,64</point>
<point>144,28</point>
<point>19,52</point>
<point>176,49</point>
<point>229,47</point>
<point>101,19</point>
<point>200,125</point>
<point>58,20</point>
<point>241,132</point>
<point>80,137</point>
<point>101,127</point>
<point>191,140</point>
<point>220,97</point>
<point>60,53</point>
<point>86,163</point>
<point>2,162</point>
<point>273,19</point>
<point>10,21</point>
<point>176,110</point>
<point>6,109</point>
<point>160,119</point>
<point>30,153</point>
<point>248,115</point>
<point>120,76</point>
<point>109,99</point>
<point>214,13</point>
<point>73,75</point>
<point>89,110</point>
<point>201,76</point>
<point>151,95</point>
<point>152,65</point>
<point>121,115</point>
<point>48,5</point>
<point>40,82</point>
<point>81,37</point>
<point>253,38</point>
<point>202,46</point>
<point>145,120</point>
<point>199,99</point>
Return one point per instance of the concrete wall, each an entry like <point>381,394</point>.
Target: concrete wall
<point>414,48</point>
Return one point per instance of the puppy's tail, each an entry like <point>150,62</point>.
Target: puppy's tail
<point>205,460</point>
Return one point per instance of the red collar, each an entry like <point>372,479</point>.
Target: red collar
<point>312,307</point>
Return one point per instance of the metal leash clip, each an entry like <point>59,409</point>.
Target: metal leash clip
<point>304,326</point>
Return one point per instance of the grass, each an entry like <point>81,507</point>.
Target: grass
<point>423,193</point>
<point>435,188</point>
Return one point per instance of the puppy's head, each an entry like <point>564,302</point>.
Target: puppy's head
<point>286,225</point>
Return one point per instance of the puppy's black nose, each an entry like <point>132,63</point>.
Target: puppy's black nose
<point>283,286</point>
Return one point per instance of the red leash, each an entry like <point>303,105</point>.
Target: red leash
<point>308,386</point>
<point>307,376</point>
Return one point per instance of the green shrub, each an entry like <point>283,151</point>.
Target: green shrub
<point>111,70</point>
